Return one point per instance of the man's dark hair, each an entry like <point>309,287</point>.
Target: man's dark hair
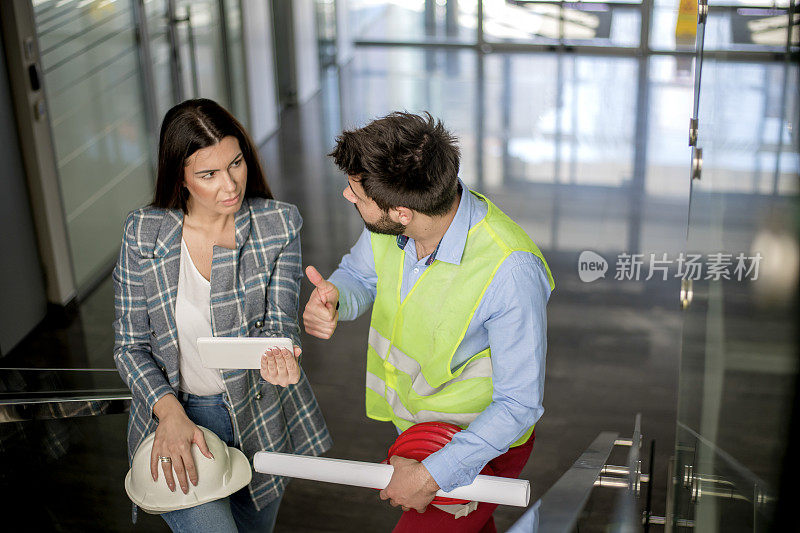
<point>403,160</point>
<point>189,127</point>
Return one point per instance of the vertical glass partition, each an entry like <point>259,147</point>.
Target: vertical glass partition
<point>156,21</point>
<point>111,71</point>
<point>97,113</point>
<point>739,360</point>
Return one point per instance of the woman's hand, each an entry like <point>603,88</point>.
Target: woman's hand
<point>175,435</point>
<point>280,367</point>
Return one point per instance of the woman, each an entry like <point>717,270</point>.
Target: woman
<point>213,254</point>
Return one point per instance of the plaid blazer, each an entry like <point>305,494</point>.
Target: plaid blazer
<point>254,293</point>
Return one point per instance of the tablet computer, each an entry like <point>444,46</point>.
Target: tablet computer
<point>237,352</point>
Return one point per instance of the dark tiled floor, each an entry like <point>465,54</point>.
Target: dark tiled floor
<point>558,153</point>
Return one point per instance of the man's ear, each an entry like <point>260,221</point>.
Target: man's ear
<point>403,215</point>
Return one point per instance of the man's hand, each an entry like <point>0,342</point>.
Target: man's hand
<point>320,316</point>
<point>411,486</point>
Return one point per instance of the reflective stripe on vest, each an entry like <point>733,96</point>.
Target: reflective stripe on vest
<point>477,368</point>
<point>412,342</point>
<point>377,385</point>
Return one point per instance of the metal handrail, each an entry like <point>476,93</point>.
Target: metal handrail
<point>38,369</point>
<point>562,504</point>
<point>559,509</point>
<point>59,400</point>
<point>60,407</point>
<point>113,394</point>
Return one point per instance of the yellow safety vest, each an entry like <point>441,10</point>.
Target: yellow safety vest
<point>412,342</point>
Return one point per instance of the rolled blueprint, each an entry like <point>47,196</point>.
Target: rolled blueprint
<point>488,489</point>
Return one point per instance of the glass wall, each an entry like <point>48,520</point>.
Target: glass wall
<point>592,23</point>
<point>93,78</point>
<point>111,71</point>
<point>420,21</point>
<point>669,25</point>
<point>583,116</point>
<point>733,25</point>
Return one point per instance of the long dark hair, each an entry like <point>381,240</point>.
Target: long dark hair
<point>189,127</point>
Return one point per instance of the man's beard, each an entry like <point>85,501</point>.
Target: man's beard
<point>384,226</point>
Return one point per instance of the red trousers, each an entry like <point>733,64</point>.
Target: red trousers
<point>510,464</point>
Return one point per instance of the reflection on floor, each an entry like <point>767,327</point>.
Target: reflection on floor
<point>587,153</point>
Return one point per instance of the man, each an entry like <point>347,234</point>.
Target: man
<point>459,295</point>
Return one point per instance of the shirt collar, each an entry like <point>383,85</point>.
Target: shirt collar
<point>451,248</point>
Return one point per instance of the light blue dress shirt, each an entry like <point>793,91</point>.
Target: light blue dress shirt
<point>511,319</point>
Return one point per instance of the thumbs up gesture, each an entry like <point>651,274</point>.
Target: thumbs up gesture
<point>320,315</point>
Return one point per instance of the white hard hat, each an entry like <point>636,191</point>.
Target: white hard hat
<point>228,472</point>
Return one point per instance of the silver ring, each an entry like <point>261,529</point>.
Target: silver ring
<point>165,459</point>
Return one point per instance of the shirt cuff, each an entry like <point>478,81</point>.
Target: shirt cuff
<point>446,471</point>
<point>153,398</point>
<point>348,307</point>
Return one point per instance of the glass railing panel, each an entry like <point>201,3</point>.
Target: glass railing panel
<point>67,474</point>
<point>714,492</point>
<point>63,450</point>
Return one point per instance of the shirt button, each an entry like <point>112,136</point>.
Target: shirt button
<point>153,332</point>
<point>164,369</point>
<point>258,396</point>
<point>259,323</point>
<point>416,269</point>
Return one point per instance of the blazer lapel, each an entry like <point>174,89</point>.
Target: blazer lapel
<point>167,262</point>
<point>227,311</point>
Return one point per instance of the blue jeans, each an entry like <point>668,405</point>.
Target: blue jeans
<point>236,513</point>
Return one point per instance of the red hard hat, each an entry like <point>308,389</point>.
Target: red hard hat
<point>421,440</point>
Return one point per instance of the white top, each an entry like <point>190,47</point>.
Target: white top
<point>193,319</point>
